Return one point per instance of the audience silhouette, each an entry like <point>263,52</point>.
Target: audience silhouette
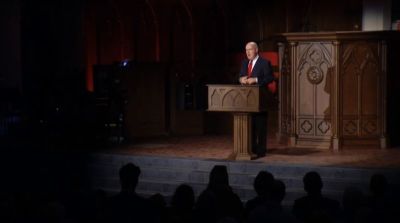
<point>380,202</point>
<point>314,206</point>
<point>127,206</point>
<point>218,201</point>
<point>216,204</point>
<point>159,206</point>
<point>272,210</point>
<point>378,187</point>
<point>181,210</point>
<point>353,200</point>
<point>262,185</point>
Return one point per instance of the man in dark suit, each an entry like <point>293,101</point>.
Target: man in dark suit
<point>256,70</point>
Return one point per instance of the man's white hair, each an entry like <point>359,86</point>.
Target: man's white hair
<point>253,43</point>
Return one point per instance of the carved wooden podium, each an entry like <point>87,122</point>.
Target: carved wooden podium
<point>241,101</point>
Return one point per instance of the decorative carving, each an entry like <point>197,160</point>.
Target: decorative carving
<point>315,75</point>
<point>369,127</point>
<point>313,58</point>
<point>306,126</point>
<point>359,55</point>
<point>215,98</point>
<point>285,69</point>
<point>350,128</point>
<point>324,126</point>
<point>236,98</point>
<point>229,98</point>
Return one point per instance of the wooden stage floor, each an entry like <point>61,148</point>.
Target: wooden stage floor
<point>220,147</point>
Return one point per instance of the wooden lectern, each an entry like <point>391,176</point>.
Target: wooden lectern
<point>241,101</point>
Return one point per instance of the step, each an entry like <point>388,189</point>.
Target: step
<point>243,167</point>
<point>236,179</point>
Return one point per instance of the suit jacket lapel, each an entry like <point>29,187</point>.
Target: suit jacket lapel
<point>256,65</point>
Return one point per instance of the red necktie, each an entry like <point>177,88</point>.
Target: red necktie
<point>249,68</point>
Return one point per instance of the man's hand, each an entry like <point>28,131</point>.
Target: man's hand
<point>243,80</point>
<point>251,80</point>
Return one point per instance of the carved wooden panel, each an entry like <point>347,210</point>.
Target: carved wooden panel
<point>236,98</point>
<point>314,67</point>
<point>361,81</point>
<point>333,88</point>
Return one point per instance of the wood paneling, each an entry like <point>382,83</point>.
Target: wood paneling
<point>362,72</point>
<point>333,88</point>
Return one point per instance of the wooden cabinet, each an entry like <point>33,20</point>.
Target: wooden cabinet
<point>334,88</point>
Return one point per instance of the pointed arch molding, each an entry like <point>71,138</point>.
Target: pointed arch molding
<point>234,98</point>
<point>313,59</point>
<point>360,55</point>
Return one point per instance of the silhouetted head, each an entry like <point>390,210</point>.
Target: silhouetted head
<point>378,184</point>
<point>312,183</point>
<point>183,197</point>
<point>218,176</point>
<point>129,176</point>
<point>263,183</point>
<point>278,191</point>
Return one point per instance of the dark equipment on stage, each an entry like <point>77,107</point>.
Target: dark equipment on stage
<point>110,98</point>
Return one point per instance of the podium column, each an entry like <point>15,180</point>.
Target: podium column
<point>242,101</point>
<point>242,137</point>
